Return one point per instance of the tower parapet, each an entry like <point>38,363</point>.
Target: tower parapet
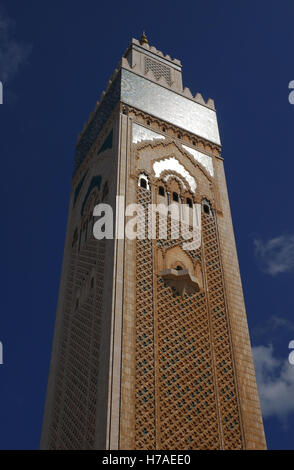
<point>147,78</point>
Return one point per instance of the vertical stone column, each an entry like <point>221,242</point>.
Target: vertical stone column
<point>249,401</point>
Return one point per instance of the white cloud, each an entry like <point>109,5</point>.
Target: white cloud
<point>12,52</point>
<point>275,379</point>
<point>276,255</point>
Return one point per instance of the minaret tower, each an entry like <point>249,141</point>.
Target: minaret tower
<point>151,347</point>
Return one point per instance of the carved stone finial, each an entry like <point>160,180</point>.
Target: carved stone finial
<point>144,39</point>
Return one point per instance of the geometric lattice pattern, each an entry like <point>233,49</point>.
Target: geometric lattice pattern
<point>183,354</point>
<point>228,403</point>
<point>158,69</point>
<point>145,374</point>
<point>187,404</point>
<point>73,422</point>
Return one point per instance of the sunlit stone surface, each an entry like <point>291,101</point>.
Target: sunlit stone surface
<point>200,157</point>
<point>183,281</point>
<point>174,165</point>
<point>142,133</point>
<point>167,177</point>
<point>169,106</point>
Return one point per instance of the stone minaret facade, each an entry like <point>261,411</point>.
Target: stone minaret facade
<point>151,347</point>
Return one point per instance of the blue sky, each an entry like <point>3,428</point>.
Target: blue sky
<point>55,60</point>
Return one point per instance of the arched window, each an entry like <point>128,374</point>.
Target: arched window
<point>189,201</point>
<point>179,268</point>
<point>175,197</point>
<point>206,207</point>
<point>143,183</point>
<point>161,191</point>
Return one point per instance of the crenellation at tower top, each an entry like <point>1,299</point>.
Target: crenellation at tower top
<point>148,61</point>
<point>147,78</point>
<point>153,65</point>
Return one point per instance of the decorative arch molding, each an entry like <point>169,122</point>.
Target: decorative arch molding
<point>168,175</point>
<point>174,256</point>
<point>144,177</point>
<point>173,164</point>
<point>204,160</point>
<point>197,197</point>
<point>172,148</point>
<point>207,206</point>
<point>179,272</point>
